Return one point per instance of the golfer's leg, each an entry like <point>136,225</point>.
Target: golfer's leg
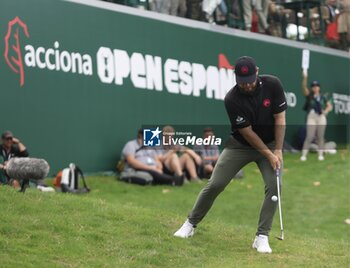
<point>268,208</point>
<point>229,163</point>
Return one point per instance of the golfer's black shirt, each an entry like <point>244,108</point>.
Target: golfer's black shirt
<point>256,109</point>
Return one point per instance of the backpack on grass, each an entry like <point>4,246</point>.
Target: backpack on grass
<point>68,180</point>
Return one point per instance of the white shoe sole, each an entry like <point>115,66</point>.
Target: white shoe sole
<point>178,234</point>
<point>255,247</point>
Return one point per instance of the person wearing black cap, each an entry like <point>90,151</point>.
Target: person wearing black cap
<point>256,108</point>
<point>10,147</point>
<point>317,107</point>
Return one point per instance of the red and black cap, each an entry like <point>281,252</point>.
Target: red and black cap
<point>245,70</point>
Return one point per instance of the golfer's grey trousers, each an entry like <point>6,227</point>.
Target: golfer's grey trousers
<point>234,157</point>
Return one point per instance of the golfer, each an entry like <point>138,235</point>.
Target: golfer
<point>256,109</point>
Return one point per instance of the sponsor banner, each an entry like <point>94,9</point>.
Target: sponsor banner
<point>341,103</point>
<point>70,81</point>
<point>114,66</point>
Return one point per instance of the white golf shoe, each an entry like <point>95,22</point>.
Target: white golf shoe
<point>261,244</point>
<point>186,230</point>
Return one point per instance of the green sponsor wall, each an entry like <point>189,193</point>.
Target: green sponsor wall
<point>66,117</point>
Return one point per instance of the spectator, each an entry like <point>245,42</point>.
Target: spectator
<point>142,165</point>
<point>10,147</point>
<point>247,14</point>
<point>194,9</point>
<point>329,14</point>
<point>178,158</point>
<point>262,8</point>
<point>317,107</point>
<point>209,153</point>
<point>178,8</point>
<point>278,19</point>
<point>344,24</point>
<point>331,6</point>
<point>171,7</point>
<point>217,6</point>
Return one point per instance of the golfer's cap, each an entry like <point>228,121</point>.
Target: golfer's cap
<point>7,134</point>
<point>315,83</point>
<point>245,70</point>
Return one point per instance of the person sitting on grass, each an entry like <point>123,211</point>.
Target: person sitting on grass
<point>178,159</point>
<point>10,147</point>
<point>142,165</point>
<point>209,153</point>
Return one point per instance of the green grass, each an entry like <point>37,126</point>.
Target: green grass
<point>122,225</point>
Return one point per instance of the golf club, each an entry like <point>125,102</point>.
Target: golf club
<point>279,203</point>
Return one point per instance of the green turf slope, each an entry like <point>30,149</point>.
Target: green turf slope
<point>121,225</point>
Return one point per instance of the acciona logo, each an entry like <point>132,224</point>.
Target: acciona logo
<point>13,53</point>
<point>41,57</point>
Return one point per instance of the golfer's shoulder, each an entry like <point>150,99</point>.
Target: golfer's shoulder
<point>270,79</point>
<point>272,84</point>
<point>231,95</point>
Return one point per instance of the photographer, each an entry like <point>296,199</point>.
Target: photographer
<point>10,147</point>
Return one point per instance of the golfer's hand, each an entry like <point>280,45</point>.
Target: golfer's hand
<point>1,166</point>
<point>274,161</point>
<point>279,154</point>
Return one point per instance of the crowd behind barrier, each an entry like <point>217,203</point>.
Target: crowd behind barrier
<point>324,22</point>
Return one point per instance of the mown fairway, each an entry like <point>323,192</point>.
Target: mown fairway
<point>121,225</point>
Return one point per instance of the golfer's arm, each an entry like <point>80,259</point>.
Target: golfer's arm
<point>280,129</point>
<point>254,140</point>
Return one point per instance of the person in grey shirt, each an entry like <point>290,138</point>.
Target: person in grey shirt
<point>140,158</point>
